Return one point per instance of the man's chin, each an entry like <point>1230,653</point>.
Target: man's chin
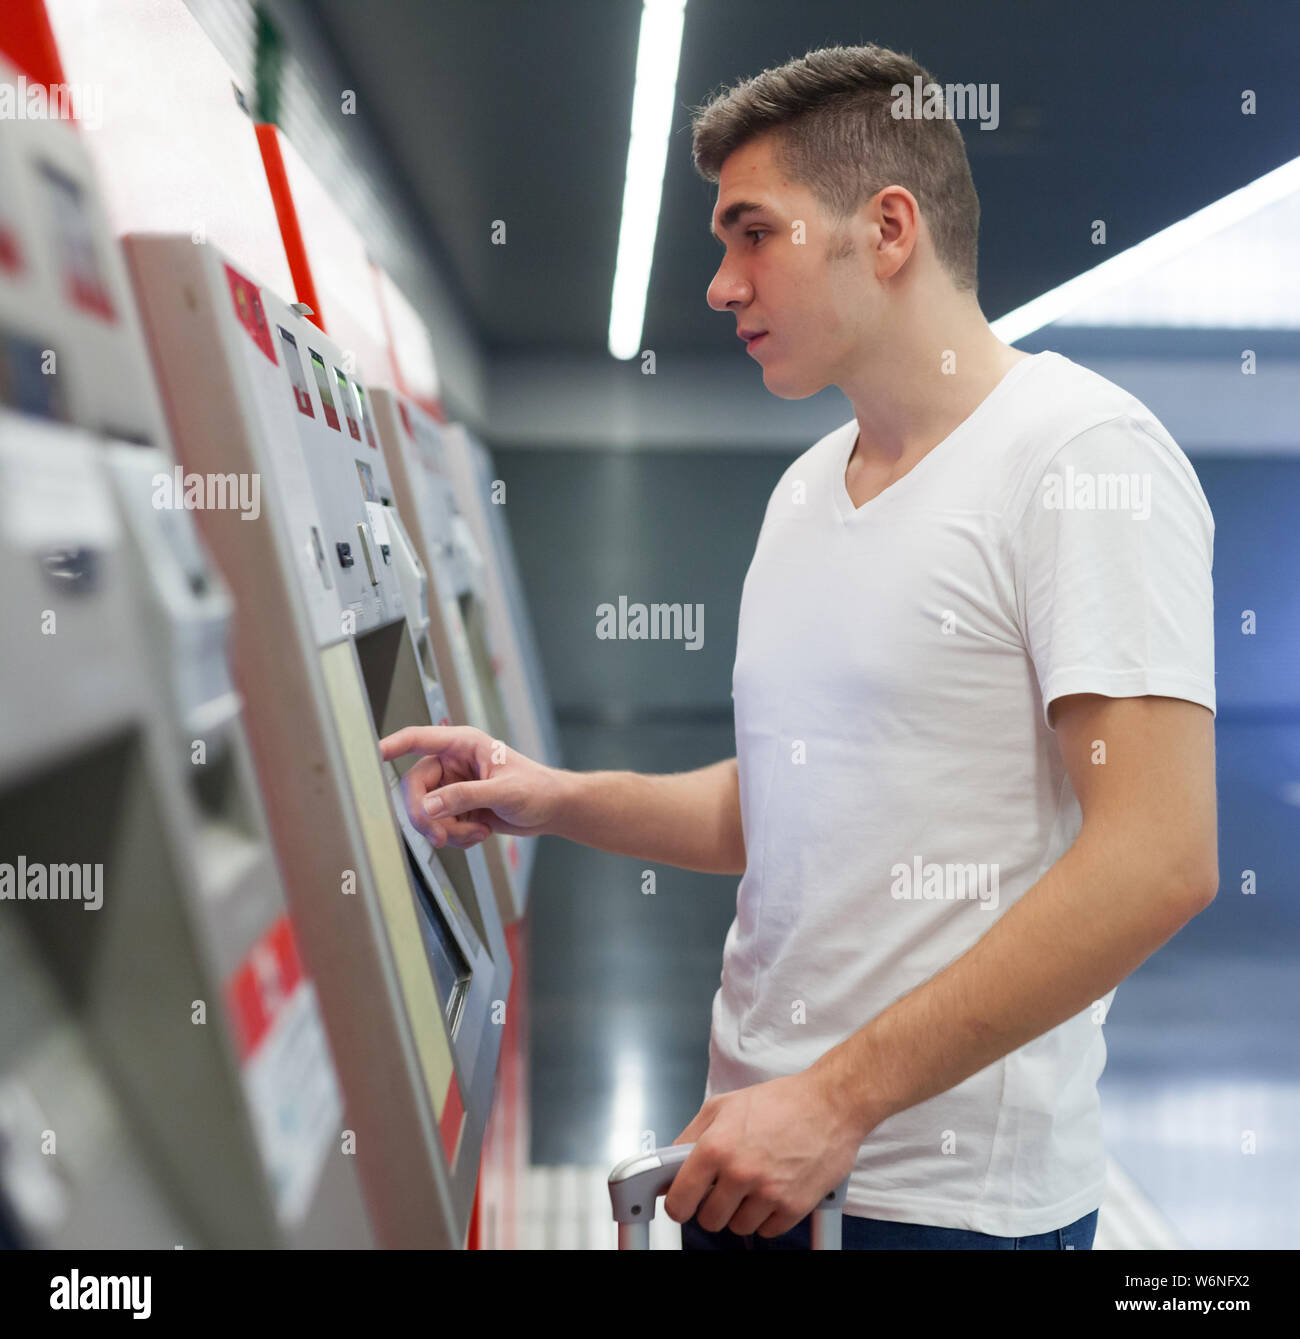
<point>787,386</point>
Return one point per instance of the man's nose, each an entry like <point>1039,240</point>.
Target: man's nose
<point>727,288</point>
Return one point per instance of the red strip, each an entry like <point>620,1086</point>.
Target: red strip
<point>453,1118</point>
<point>473,1238</point>
<point>286,214</point>
<point>27,40</point>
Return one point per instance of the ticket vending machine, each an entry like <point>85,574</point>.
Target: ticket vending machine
<point>165,1078</point>
<point>426,501</point>
<point>406,941</point>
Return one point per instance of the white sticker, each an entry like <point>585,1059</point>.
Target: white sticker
<point>378,525</point>
<point>295,1100</point>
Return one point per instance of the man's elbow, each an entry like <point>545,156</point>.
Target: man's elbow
<point>1198,887</point>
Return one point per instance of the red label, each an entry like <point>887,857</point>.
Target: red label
<point>10,256</point>
<point>248,308</point>
<point>261,984</point>
<point>304,402</point>
<point>514,854</point>
<point>91,296</point>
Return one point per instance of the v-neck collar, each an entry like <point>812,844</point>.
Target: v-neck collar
<point>848,513</point>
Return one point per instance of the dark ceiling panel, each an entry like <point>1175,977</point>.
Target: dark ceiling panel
<point>519,110</point>
<point>511,111</point>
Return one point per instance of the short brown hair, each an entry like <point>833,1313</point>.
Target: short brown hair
<point>837,135</point>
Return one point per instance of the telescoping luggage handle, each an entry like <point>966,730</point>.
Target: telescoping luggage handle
<point>637,1182</point>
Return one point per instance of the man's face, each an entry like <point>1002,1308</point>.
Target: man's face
<point>807,287</point>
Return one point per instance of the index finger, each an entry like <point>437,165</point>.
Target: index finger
<point>427,739</point>
<point>692,1183</point>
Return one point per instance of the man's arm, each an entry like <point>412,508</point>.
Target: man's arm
<point>1144,863</point>
<point>467,784</point>
<point>687,819</point>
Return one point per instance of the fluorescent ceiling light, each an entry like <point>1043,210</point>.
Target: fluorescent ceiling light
<point>652,116</point>
<point>1179,278</point>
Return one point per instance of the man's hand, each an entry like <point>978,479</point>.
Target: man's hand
<point>468,785</point>
<point>769,1153</point>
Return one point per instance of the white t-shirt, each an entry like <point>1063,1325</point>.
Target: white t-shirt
<point>900,784</point>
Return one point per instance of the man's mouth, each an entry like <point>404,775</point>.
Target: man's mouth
<point>752,338</point>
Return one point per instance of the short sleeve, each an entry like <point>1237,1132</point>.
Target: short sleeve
<point>1112,556</point>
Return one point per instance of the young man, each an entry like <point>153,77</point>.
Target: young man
<point>974,696</point>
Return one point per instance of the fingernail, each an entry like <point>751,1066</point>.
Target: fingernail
<point>433,804</point>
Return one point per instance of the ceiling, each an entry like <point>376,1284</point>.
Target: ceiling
<point>518,110</point>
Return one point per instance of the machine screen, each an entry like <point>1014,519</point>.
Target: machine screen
<point>345,403</point>
<point>323,387</point>
<point>74,233</point>
<point>24,383</point>
<point>450,969</point>
<point>365,416</point>
<point>301,395</point>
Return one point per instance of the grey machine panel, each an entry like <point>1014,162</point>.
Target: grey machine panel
<point>165,1078</point>
<point>405,942</point>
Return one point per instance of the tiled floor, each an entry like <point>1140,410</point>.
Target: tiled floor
<point>1201,1095</point>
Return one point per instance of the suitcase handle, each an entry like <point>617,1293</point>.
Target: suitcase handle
<point>637,1182</point>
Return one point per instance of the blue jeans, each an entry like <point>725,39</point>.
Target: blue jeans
<point>874,1234</point>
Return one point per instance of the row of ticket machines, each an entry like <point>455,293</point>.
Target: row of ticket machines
<point>243,1000</point>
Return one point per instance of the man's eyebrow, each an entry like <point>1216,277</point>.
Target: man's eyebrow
<point>733,212</point>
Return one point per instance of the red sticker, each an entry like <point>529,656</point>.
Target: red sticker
<point>11,258</point>
<point>91,296</point>
<point>248,307</point>
<point>261,984</point>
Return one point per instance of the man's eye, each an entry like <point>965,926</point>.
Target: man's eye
<point>755,233</point>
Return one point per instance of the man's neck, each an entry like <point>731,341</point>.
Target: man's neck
<point>922,387</point>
